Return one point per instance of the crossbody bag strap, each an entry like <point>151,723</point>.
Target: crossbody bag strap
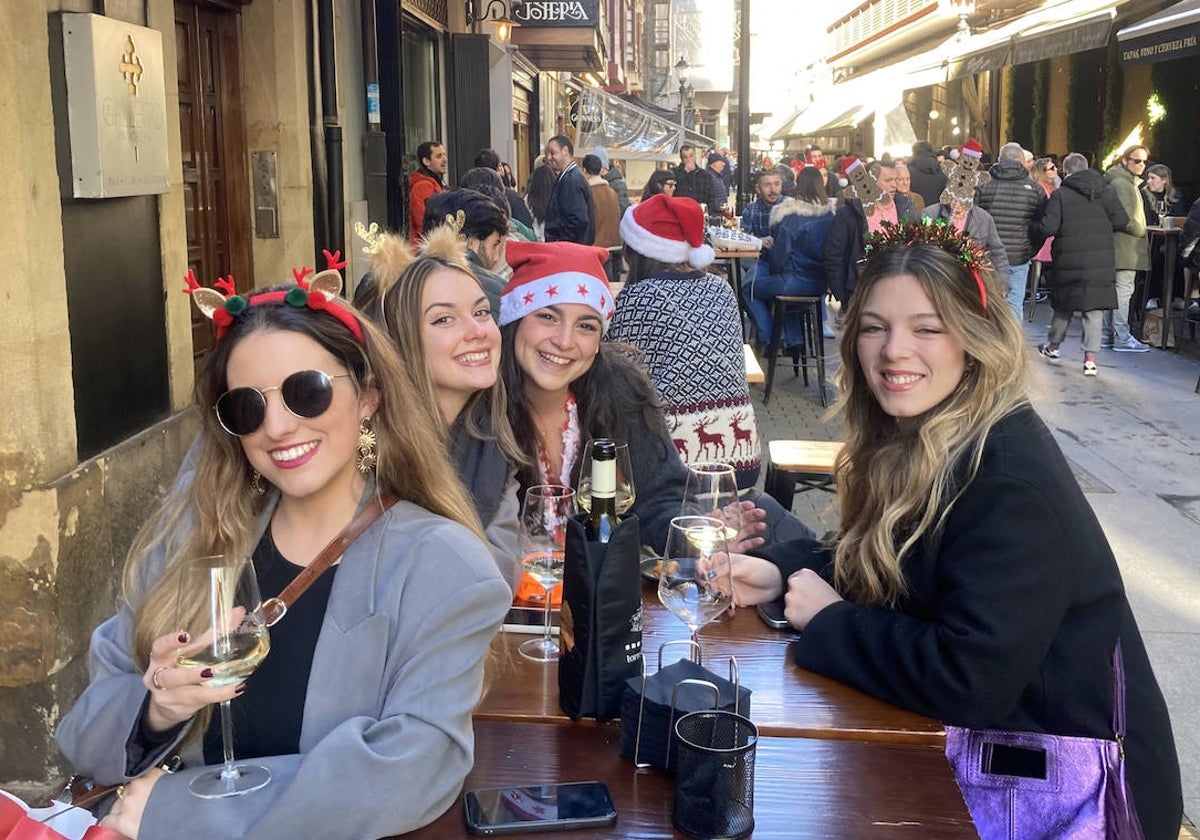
<point>276,608</point>
<point>1119,695</point>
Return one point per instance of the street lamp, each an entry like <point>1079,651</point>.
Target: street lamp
<point>681,70</point>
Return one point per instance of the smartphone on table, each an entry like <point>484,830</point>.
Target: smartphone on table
<point>526,808</point>
<point>772,615</point>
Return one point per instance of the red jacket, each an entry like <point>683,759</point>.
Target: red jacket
<point>420,186</point>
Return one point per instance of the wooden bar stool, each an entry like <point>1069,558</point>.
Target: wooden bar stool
<point>805,462</point>
<point>811,350</point>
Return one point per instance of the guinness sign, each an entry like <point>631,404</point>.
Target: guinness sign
<point>558,13</point>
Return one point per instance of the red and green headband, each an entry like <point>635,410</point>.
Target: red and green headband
<point>937,232</point>
<point>320,294</point>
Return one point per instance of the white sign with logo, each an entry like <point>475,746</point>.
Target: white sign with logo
<point>116,107</point>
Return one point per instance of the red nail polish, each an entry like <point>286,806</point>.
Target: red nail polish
<point>207,673</point>
<point>183,637</point>
<point>241,687</point>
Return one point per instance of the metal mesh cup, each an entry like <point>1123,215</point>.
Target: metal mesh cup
<point>714,775</point>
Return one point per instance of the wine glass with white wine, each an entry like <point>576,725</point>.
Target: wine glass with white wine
<point>695,579</point>
<point>218,606</point>
<point>626,493</point>
<point>712,490</point>
<point>543,545</point>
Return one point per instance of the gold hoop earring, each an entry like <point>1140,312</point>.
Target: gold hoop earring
<point>366,446</point>
<point>256,482</point>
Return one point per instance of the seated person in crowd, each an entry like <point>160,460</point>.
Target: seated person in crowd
<point>566,386</point>
<point>314,420</point>
<point>485,228</point>
<point>969,579</point>
<point>660,181</point>
<point>687,325</point>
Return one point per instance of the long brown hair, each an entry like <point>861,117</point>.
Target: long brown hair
<point>217,513</point>
<point>898,479</point>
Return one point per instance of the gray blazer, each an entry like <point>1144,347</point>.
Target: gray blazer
<point>386,738</point>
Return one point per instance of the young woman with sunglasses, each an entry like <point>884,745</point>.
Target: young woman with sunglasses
<point>375,669</point>
<point>438,315</point>
<point>969,580</point>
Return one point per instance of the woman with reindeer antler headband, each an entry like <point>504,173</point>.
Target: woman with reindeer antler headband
<point>439,316</point>
<point>969,579</point>
<point>361,711</point>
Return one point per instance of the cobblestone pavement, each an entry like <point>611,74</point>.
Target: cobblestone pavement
<point>1132,436</point>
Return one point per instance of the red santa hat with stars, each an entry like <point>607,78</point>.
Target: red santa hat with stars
<point>667,229</point>
<point>553,273</point>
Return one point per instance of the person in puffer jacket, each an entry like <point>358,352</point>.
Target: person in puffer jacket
<point>1015,202</point>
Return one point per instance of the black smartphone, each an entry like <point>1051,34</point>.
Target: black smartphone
<point>530,620</point>
<point>517,810</point>
<point>772,615</point>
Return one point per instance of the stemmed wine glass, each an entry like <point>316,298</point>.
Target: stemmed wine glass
<point>695,579</point>
<point>543,542</point>
<point>712,490</point>
<point>625,489</point>
<point>218,606</point>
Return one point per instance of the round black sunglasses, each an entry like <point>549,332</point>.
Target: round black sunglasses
<point>305,393</point>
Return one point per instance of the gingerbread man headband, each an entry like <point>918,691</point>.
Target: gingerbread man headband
<point>939,233</point>
<point>222,303</point>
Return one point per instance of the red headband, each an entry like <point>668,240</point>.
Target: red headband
<point>319,294</point>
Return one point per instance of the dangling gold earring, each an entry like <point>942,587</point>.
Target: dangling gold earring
<point>256,482</point>
<point>366,446</point>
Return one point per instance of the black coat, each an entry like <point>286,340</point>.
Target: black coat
<point>517,208</point>
<point>1009,621</point>
<point>928,179</point>
<point>1081,215</point>
<point>569,215</point>
<point>1015,202</point>
<point>844,243</point>
<point>696,185</point>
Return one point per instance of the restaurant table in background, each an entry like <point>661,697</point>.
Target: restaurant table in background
<point>733,260</point>
<point>802,787</point>
<point>1170,255</point>
<point>788,701</point>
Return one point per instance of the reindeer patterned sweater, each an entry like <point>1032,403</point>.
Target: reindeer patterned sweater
<point>688,328</point>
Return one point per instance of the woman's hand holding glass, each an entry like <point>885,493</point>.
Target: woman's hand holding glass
<point>712,490</point>
<point>177,693</point>
<point>694,578</point>
<point>219,609</point>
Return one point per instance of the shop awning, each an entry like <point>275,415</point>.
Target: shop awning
<point>574,49</point>
<point>1172,33</point>
<point>627,130</point>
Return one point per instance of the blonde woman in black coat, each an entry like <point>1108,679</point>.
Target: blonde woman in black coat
<point>969,579</point>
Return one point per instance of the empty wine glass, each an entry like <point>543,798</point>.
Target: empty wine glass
<point>695,579</point>
<point>712,490</point>
<point>625,489</point>
<point>218,606</point>
<point>543,543</point>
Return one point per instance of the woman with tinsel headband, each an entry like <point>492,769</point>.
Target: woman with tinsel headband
<point>361,710</point>
<point>969,580</point>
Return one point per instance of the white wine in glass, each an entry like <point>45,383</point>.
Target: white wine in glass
<point>218,605</point>
<point>695,579</point>
<point>626,494</point>
<point>543,544</point>
<point>712,490</point>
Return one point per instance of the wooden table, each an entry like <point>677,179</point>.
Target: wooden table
<point>802,788</point>
<point>754,371</point>
<point>1170,254</point>
<point>788,701</point>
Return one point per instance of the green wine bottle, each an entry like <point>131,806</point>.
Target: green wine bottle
<point>602,518</point>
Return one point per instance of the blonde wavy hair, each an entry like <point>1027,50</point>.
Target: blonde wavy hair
<point>217,512</point>
<point>898,478</point>
<point>400,277</point>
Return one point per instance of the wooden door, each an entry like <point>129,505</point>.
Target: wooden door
<point>213,145</point>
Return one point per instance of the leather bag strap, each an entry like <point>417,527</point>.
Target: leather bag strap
<point>276,608</point>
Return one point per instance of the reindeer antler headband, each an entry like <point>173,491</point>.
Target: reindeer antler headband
<point>319,294</point>
<point>939,233</point>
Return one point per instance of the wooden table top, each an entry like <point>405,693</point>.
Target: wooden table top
<point>738,254</point>
<point>802,787</point>
<point>787,700</point>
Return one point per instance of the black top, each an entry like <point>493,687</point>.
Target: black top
<point>267,717</point>
<point>1009,620</point>
<point>1081,215</point>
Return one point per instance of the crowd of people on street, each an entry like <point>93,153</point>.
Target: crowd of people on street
<point>500,332</point>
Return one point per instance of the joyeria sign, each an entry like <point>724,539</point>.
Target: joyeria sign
<point>556,12</point>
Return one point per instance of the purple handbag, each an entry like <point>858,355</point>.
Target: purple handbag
<point>1027,785</point>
